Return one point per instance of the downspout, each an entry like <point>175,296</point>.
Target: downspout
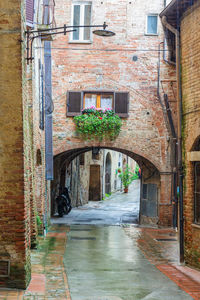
<point>179,110</point>
<point>164,45</point>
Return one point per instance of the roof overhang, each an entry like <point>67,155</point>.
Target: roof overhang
<point>175,10</point>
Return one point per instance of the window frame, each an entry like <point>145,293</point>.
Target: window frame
<point>146,30</point>
<point>81,30</point>
<point>74,102</point>
<point>98,98</point>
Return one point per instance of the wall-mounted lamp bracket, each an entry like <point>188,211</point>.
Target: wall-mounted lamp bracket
<point>33,34</point>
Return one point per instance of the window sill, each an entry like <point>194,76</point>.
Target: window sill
<point>151,34</point>
<point>80,42</point>
<point>196,226</point>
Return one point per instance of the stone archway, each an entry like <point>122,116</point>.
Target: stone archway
<point>153,175</point>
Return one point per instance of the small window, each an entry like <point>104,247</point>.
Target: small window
<point>82,159</point>
<point>98,100</point>
<point>152,25</point>
<point>96,153</point>
<point>81,15</point>
<point>38,157</point>
<point>197,193</point>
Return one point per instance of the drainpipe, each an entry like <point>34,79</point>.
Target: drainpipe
<point>179,110</point>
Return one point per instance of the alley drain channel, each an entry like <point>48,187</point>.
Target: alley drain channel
<point>82,238</point>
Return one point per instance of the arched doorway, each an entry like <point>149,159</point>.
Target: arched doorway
<point>108,174</point>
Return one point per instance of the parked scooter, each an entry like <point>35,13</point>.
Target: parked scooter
<point>63,203</point>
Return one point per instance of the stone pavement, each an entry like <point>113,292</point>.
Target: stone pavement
<point>119,208</point>
<point>160,247</point>
<point>49,280</point>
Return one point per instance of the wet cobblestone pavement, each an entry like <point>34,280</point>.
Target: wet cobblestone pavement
<point>125,263</point>
<point>155,249</point>
<point>49,280</point>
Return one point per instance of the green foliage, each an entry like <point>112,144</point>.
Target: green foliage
<point>97,123</point>
<point>106,196</point>
<point>39,222</point>
<point>127,176</point>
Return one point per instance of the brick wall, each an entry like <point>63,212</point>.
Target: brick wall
<point>14,200</point>
<point>107,64</point>
<point>190,44</point>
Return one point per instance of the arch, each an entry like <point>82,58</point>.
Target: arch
<point>196,144</point>
<point>141,158</point>
<point>152,178</point>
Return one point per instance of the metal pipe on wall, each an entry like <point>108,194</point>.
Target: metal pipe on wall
<point>179,110</point>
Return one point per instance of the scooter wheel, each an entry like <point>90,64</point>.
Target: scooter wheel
<point>60,212</point>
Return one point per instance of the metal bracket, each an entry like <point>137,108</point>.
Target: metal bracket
<point>31,35</point>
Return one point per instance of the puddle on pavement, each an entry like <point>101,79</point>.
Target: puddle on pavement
<point>111,267</point>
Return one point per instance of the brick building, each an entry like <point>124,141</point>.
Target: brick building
<point>24,187</point>
<point>126,72</point>
<point>184,16</point>
<point>14,202</point>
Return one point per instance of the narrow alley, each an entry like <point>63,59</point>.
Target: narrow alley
<point>117,209</point>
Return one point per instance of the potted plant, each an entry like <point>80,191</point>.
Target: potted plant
<point>98,124</point>
<point>127,177</point>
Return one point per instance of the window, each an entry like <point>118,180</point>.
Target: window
<point>197,193</point>
<point>118,101</point>
<point>82,159</point>
<point>81,15</point>
<point>98,100</point>
<point>38,157</point>
<point>152,25</point>
<point>96,153</point>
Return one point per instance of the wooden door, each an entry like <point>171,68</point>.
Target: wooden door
<point>94,187</point>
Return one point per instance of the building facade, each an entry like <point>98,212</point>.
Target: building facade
<point>25,114</point>
<point>185,17</point>
<point>126,72</point>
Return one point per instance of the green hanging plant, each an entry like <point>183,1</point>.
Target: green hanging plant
<point>97,123</point>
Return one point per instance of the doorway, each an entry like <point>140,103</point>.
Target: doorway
<point>108,174</point>
<point>94,186</point>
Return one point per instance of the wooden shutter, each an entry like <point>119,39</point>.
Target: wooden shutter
<point>121,104</point>
<point>29,12</point>
<point>74,103</point>
<point>46,12</point>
